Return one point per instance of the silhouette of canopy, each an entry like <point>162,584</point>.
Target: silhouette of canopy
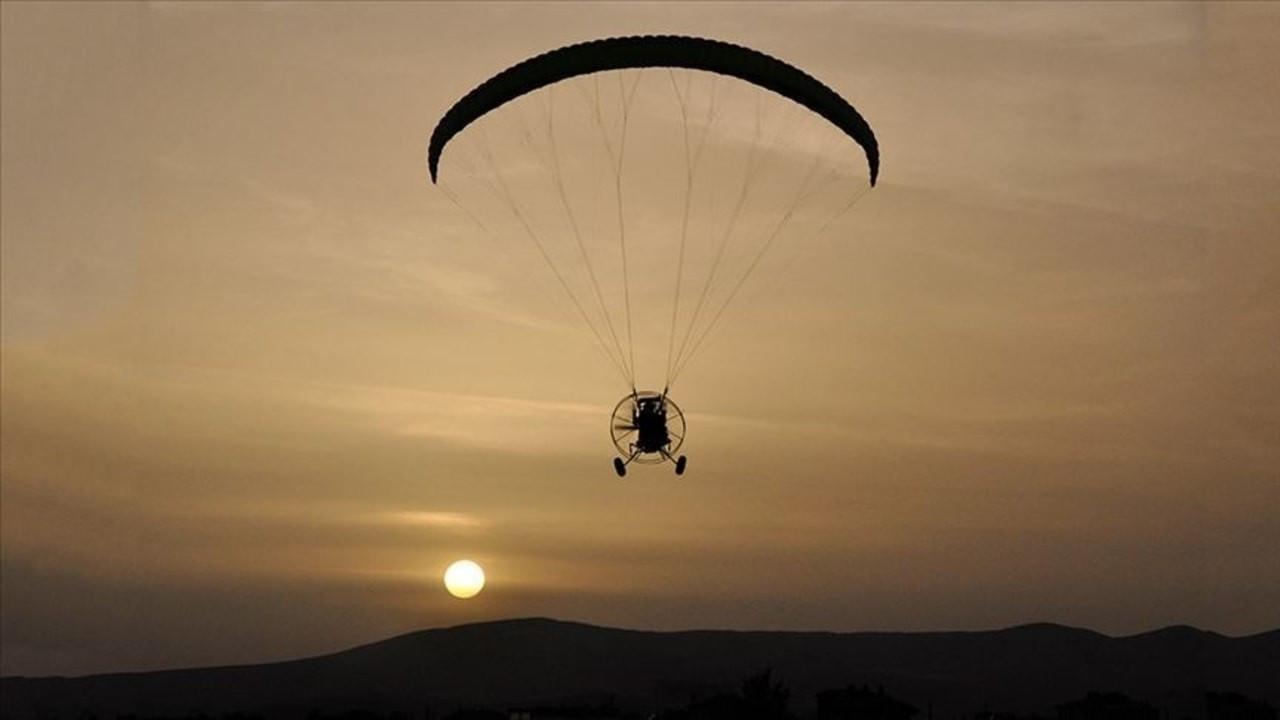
<point>654,51</point>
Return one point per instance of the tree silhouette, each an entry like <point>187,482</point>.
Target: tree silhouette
<point>765,699</point>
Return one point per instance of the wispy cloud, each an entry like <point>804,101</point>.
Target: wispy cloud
<point>495,423</point>
<point>455,521</point>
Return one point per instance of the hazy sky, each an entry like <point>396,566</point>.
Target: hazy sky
<point>259,389</point>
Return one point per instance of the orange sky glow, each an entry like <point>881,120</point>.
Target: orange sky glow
<point>262,381</point>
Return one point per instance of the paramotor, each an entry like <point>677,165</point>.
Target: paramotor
<point>653,175</point>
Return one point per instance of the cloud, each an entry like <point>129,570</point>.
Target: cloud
<point>493,423</point>
<point>1091,24</point>
<point>453,521</point>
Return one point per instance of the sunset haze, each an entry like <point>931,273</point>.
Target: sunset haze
<point>263,381</point>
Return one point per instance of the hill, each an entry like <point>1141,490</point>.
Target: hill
<point>1024,670</point>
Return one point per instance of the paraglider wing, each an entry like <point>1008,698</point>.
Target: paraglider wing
<point>654,51</point>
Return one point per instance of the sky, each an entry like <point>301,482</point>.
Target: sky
<point>263,381</point>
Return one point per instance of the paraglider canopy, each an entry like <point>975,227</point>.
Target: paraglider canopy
<point>654,51</point>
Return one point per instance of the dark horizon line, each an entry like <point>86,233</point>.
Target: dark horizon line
<point>550,621</point>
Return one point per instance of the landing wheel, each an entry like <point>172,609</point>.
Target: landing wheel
<point>619,467</point>
<point>680,463</point>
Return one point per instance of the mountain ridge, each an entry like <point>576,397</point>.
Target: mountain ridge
<point>1023,669</point>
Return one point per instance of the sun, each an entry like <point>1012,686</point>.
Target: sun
<point>464,579</point>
